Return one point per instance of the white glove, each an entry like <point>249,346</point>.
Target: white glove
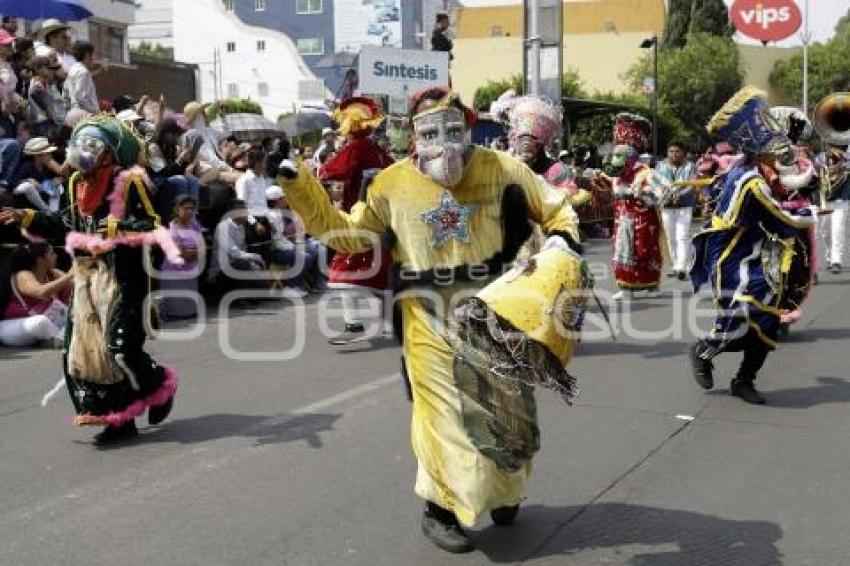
<point>557,242</point>
<point>288,169</point>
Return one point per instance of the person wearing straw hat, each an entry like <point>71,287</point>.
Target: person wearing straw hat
<point>54,35</point>
<point>747,251</point>
<point>39,173</point>
<point>195,116</point>
<point>459,214</point>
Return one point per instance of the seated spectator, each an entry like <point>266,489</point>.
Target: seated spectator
<point>238,157</point>
<point>39,176</point>
<point>79,92</point>
<point>33,297</point>
<point>279,152</point>
<point>8,85</point>
<point>45,111</point>
<point>251,188</point>
<point>24,52</point>
<point>187,233</point>
<point>55,36</point>
<point>328,147</point>
<point>230,249</point>
<point>210,155</point>
<point>168,164</point>
<point>10,157</point>
<point>291,247</point>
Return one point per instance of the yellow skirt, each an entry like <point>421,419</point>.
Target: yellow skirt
<point>452,472</point>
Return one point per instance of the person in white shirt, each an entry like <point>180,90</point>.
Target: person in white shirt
<point>54,36</point>
<point>677,213</point>
<point>251,188</point>
<point>291,247</point>
<point>230,248</point>
<point>79,92</point>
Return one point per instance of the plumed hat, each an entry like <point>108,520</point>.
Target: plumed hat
<point>632,130</point>
<point>746,123</point>
<point>535,117</point>
<point>358,114</point>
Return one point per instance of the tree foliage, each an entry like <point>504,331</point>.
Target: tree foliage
<point>153,51</point>
<point>829,68</point>
<point>571,86</point>
<point>236,106</point>
<point>687,17</point>
<point>693,82</point>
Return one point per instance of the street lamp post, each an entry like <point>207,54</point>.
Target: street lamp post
<point>646,44</point>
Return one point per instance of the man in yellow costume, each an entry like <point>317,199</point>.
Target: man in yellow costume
<point>475,340</point>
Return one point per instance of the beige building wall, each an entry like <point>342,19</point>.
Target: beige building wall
<point>600,59</point>
<point>601,42</point>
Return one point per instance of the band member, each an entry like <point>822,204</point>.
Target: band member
<point>746,253</point>
<point>107,219</point>
<point>459,214</point>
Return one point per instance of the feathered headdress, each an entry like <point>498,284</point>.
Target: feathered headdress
<point>746,123</point>
<point>631,130</point>
<point>535,117</point>
<point>358,115</point>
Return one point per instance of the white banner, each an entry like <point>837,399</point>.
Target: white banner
<point>401,72</point>
<point>366,22</point>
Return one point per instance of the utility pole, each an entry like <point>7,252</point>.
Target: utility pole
<point>806,39</point>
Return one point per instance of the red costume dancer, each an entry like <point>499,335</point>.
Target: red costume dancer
<point>357,118</point>
<point>638,233</point>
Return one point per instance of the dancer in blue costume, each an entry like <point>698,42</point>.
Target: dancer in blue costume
<point>746,253</point>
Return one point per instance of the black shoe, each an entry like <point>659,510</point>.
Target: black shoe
<point>442,528</point>
<point>115,434</point>
<point>504,516</point>
<point>835,268</point>
<point>682,276</point>
<point>159,413</point>
<point>352,333</point>
<point>746,390</point>
<point>703,369</point>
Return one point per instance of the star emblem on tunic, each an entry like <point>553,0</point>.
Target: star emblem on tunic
<point>449,220</point>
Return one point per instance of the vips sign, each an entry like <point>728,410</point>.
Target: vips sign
<point>766,20</point>
<point>401,72</point>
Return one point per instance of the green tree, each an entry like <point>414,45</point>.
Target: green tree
<point>235,106</point>
<point>686,17</point>
<point>152,51</point>
<point>694,81</point>
<point>571,87</point>
<point>829,68</point>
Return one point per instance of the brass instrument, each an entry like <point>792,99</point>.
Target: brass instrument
<point>832,123</point>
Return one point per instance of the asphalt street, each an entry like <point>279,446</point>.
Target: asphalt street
<point>307,461</point>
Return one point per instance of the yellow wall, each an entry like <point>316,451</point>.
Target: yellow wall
<point>601,42</point>
<point>601,39</point>
<point>600,59</point>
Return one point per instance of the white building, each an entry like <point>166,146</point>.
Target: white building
<point>252,62</point>
<point>154,23</point>
<point>107,28</point>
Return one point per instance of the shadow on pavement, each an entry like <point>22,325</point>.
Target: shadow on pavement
<point>830,390</point>
<point>650,350</point>
<point>276,429</point>
<point>683,538</point>
<point>815,334</point>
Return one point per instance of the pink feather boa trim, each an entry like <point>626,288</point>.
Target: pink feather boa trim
<point>161,396</point>
<point>96,244</point>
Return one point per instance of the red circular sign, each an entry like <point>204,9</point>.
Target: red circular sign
<point>766,20</point>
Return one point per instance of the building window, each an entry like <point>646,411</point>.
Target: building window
<point>262,90</point>
<point>311,46</point>
<point>228,5</point>
<point>233,90</point>
<point>108,41</point>
<point>261,45</point>
<point>308,6</point>
<point>231,46</point>
<point>259,5</point>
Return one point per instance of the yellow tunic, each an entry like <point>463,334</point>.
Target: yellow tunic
<point>452,472</point>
